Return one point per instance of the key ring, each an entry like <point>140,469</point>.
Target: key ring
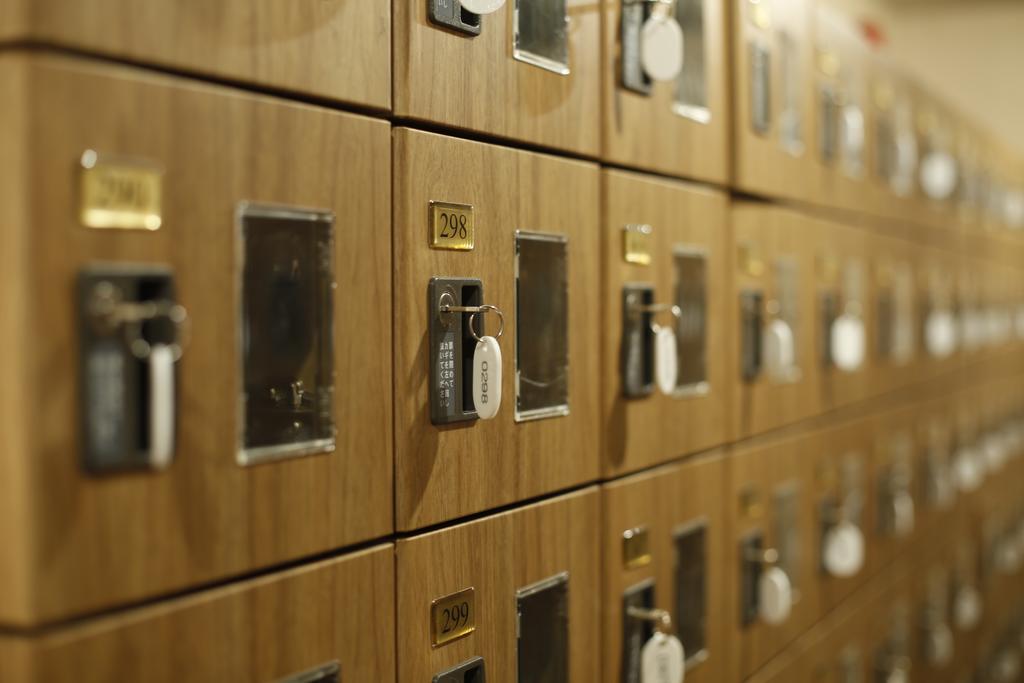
<point>484,308</point>
<point>660,617</point>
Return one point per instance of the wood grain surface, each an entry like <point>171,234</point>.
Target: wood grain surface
<point>263,629</point>
<point>97,541</point>
<point>641,432</point>
<point>663,501</point>
<point>497,556</point>
<point>336,49</point>
<point>475,83</point>
<point>446,472</point>
<point>646,131</point>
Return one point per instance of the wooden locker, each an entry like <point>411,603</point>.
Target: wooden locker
<point>678,127</point>
<point>445,471</point>
<point>772,262</point>
<point>893,489</point>
<point>333,617</point>
<point>772,62</point>
<point>81,541</point>
<point>897,356</point>
<point>839,468</point>
<point>773,526</point>
<point>840,126</point>
<point>492,566</point>
<point>843,317</point>
<point>664,244</point>
<point>527,72</point>
<point>332,49</point>
<point>664,536</point>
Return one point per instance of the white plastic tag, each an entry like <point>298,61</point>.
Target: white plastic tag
<point>995,453</point>
<point>843,553</point>
<point>903,514</point>
<point>938,175</point>
<point>487,378</point>
<point>666,359</point>
<point>482,6</point>
<point>939,645</point>
<point>852,139</point>
<point>848,341</point>
<point>662,660</point>
<point>966,471</point>
<point>940,334</point>
<point>776,593</point>
<point>161,405</point>
<point>661,47</point>
<point>779,351</point>
<point>967,608</point>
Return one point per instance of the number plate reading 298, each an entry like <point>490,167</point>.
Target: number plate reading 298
<point>452,617</point>
<point>451,226</point>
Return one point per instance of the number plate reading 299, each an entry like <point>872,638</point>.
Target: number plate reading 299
<point>452,617</point>
<point>451,226</point>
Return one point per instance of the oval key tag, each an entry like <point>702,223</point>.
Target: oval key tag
<point>849,342</point>
<point>662,660</point>
<point>666,359</point>
<point>487,378</point>
<point>776,596</point>
<point>661,47</point>
<point>843,553</point>
<point>482,6</point>
<point>967,608</point>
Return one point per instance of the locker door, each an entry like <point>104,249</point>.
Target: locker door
<point>210,416</point>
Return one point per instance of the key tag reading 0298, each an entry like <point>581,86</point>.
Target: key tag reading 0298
<point>487,377</point>
<point>661,44</point>
<point>662,659</point>
<point>665,359</point>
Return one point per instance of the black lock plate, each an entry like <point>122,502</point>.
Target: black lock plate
<point>634,14</point>
<point>635,632</point>
<point>751,306</point>
<point>637,341</point>
<point>451,349</point>
<point>829,313</point>
<point>450,14</point>
<point>470,671</point>
<point>114,382</point>
<point>750,573</point>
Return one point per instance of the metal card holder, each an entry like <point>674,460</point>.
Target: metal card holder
<point>760,87</point>
<point>285,285</point>
<point>691,326</point>
<point>542,631</point>
<point>450,14</point>
<point>635,632</point>
<point>637,359</point>
<point>829,313</point>
<point>787,533</point>
<point>691,98</point>
<point>691,590</point>
<point>542,326</point>
<point>791,135</point>
<point>541,34</point>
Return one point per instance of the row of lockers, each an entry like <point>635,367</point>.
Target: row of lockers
<point>262,369</point>
<point>810,111</point>
<point>885,542</point>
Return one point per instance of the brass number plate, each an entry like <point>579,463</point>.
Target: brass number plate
<point>120,194</point>
<point>451,226</point>
<point>636,548</point>
<point>452,617</point>
<point>636,244</point>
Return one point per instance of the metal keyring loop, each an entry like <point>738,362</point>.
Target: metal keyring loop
<point>484,308</point>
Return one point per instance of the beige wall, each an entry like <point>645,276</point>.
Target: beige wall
<point>969,52</point>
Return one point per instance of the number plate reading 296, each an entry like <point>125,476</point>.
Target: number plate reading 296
<point>451,226</point>
<point>452,617</point>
